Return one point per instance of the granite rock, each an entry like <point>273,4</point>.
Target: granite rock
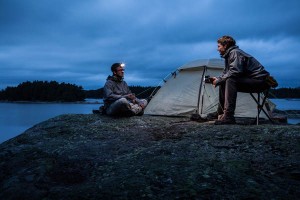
<point>150,157</point>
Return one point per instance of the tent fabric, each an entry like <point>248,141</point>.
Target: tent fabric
<point>210,63</point>
<point>186,93</point>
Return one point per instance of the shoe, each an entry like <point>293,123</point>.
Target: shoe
<point>96,111</point>
<point>140,113</point>
<point>128,113</point>
<point>225,121</point>
<point>212,116</point>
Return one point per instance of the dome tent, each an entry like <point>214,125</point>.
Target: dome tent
<point>185,92</point>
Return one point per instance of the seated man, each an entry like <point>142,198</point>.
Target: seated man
<point>242,73</point>
<point>118,99</point>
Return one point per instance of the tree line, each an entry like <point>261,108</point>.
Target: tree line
<point>43,91</point>
<point>53,91</point>
<point>65,92</point>
<point>282,93</point>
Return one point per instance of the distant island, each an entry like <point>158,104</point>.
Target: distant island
<point>43,91</point>
<point>285,93</point>
<point>53,91</point>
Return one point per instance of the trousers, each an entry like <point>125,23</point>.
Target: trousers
<point>228,92</point>
<point>123,107</point>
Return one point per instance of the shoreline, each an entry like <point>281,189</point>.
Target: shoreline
<point>54,102</point>
<point>290,113</point>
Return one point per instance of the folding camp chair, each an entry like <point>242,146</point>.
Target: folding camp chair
<point>260,105</point>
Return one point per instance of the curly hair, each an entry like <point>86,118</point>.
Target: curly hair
<point>226,40</point>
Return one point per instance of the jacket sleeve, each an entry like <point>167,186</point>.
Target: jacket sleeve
<point>234,66</point>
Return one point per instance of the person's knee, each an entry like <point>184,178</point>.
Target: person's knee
<point>231,80</point>
<point>122,101</point>
<point>119,106</point>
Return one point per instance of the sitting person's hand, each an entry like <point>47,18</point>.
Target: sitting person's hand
<point>213,80</point>
<point>130,96</point>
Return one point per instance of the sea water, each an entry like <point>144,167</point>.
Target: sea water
<point>15,118</point>
<point>288,104</point>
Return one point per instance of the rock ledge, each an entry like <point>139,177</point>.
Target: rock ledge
<point>98,157</point>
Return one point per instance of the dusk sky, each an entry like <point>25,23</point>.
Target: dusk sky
<point>76,41</point>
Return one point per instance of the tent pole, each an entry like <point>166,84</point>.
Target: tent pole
<point>200,90</point>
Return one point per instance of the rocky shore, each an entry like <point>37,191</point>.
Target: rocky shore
<point>150,157</point>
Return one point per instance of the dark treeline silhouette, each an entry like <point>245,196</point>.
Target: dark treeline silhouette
<point>65,92</point>
<point>282,93</point>
<point>139,91</point>
<point>94,94</point>
<point>43,91</point>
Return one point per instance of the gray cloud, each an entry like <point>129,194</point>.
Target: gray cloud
<point>77,41</point>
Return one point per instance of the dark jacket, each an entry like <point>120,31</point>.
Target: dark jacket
<point>240,64</point>
<point>114,89</point>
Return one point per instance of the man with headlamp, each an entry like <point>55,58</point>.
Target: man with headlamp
<point>118,99</point>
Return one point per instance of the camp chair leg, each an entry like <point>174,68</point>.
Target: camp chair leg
<point>260,106</point>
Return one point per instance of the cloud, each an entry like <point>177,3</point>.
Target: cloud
<point>77,41</point>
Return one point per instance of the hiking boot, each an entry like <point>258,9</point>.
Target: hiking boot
<point>128,113</point>
<point>96,111</point>
<point>225,121</point>
<point>140,113</point>
<point>212,116</point>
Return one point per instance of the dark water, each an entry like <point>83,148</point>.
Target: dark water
<point>288,104</point>
<point>15,118</point>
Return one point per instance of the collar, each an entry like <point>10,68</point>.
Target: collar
<point>115,78</point>
<point>229,50</point>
